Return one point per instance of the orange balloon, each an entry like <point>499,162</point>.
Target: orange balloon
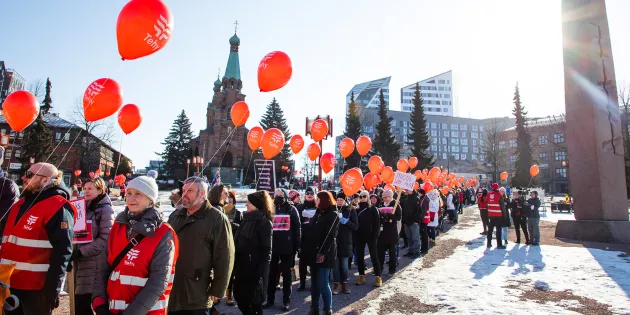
<point>370,180</point>
<point>427,187</point>
<point>319,130</point>
<point>445,190</point>
<point>413,162</point>
<point>388,174</point>
<point>254,137</point>
<point>375,164</point>
<point>143,27</point>
<point>504,176</point>
<point>296,143</point>
<point>20,109</point>
<point>239,113</point>
<point>92,175</point>
<point>425,171</point>
<point>402,165</point>
<point>102,99</point>
<point>389,187</point>
<point>272,143</point>
<point>416,185</point>
<point>346,147</point>
<point>418,174</point>
<point>328,162</point>
<point>313,150</point>
<point>129,118</point>
<point>352,181</point>
<point>434,174</point>
<point>364,145</point>
<point>534,170</point>
<point>274,71</point>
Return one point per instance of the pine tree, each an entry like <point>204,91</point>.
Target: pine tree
<point>38,142</point>
<point>385,143</point>
<point>274,118</point>
<point>353,131</point>
<point>418,137</point>
<point>177,149</point>
<point>524,158</point>
<point>47,103</point>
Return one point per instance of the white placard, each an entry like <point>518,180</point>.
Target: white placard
<point>404,180</point>
<point>309,213</point>
<point>79,204</point>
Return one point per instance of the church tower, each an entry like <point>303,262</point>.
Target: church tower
<point>234,155</point>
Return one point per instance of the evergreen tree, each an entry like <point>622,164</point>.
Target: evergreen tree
<point>353,131</point>
<point>418,137</point>
<point>274,118</point>
<point>177,145</point>
<point>524,158</point>
<point>385,143</point>
<point>38,142</point>
<point>47,103</point>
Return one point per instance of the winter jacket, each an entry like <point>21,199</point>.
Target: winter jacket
<point>449,202</point>
<point>101,214</point>
<point>8,196</point>
<point>322,238</point>
<point>532,207</point>
<point>369,222</point>
<point>159,268</point>
<point>344,235</point>
<point>389,224</point>
<point>411,208</point>
<point>432,202</point>
<point>304,220</point>
<point>287,242</point>
<point>505,211</point>
<point>518,208</point>
<point>206,257</point>
<point>234,216</point>
<point>252,243</point>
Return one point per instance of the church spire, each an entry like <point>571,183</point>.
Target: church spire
<point>233,68</point>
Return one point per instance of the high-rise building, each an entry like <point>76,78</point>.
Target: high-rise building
<point>11,82</point>
<point>437,92</point>
<point>367,93</point>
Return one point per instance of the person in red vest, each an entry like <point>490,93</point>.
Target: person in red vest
<point>38,239</point>
<point>135,275</point>
<point>483,209</point>
<point>496,210</point>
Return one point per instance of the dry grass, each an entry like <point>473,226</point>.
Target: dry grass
<point>442,249</point>
<point>406,304</point>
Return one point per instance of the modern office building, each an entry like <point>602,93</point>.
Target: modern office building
<point>11,82</point>
<point>367,93</point>
<point>437,92</point>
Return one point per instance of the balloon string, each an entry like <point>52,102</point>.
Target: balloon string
<point>122,137</point>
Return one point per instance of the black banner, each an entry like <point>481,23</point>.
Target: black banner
<point>265,175</point>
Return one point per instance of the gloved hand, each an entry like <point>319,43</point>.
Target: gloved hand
<point>343,220</point>
<point>102,310</point>
<point>50,298</point>
<point>76,253</point>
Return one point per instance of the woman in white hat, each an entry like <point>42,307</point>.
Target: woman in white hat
<point>135,274</point>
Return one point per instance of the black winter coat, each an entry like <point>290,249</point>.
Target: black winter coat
<point>252,243</point>
<point>322,238</point>
<point>304,221</point>
<point>369,222</point>
<point>344,236</point>
<point>389,222</point>
<point>411,211</point>
<point>287,242</point>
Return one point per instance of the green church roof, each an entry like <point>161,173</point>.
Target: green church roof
<point>234,40</point>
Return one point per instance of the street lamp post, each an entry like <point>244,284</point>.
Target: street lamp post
<point>565,164</point>
<point>187,167</point>
<point>197,161</point>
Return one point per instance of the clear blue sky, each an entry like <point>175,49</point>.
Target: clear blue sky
<point>489,45</point>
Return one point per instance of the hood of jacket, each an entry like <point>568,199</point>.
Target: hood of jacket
<point>145,223</point>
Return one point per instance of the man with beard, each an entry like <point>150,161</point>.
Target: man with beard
<point>307,211</point>
<point>204,265</point>
<point>38,240</point>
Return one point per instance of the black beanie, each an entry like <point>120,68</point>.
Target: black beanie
<point>309,189</point>
<point>257,199</point>
<point>341,195</point>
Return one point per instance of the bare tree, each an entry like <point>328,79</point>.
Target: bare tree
<point>495,155</point>
<point>624,104</point>
<point>37,88</point>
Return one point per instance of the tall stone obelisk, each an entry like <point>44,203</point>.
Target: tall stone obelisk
<point>593,127</point>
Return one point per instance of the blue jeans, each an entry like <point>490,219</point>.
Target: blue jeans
<point>320,287</point>
<point>340,272</point>
<point>413,237</point>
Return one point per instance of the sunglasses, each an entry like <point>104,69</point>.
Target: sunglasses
<point>30,175</point>
<point>364,197</point>
<point>310,194</point>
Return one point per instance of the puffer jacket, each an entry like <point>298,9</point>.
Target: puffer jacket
<point>287,242</point>
<point>159,269</point>
<point>101,214</point>
<point>344,235</point>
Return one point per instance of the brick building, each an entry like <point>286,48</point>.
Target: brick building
<point>10,81</point>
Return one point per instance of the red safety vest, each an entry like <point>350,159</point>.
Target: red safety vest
<point>494,208</point>
<point>427,216</point>
<point>481,201</point>
<point>132,272</point>
<point>25,243</point>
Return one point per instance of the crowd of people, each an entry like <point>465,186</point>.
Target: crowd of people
<point>209,250</point>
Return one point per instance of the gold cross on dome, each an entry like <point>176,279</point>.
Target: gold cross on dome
<point>235,26</point>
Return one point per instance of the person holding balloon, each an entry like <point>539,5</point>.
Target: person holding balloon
<point>367,234</point>
<point>388,239</point>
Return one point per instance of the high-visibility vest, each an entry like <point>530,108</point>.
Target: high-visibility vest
<point>494,208</point>
<point>481,201</point>
<point>132,273</point>
<point>25,243</point>
<point>427,216</point>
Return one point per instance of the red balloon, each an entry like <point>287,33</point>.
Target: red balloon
<point>364,145</point>
<point>129,118</point>
<point>375,164</point>
<point>92,174</point>
<point>239,113</point>
<point>143,27</point>
<point>272,143</point>
<point>351,181</point>
<point>328,162</point>
<point>402,165</point>
<point>20,109</point>
<point>102,99</point>
<point>254,137</point>
<point>427,187</point>
<point>319,130</point>
<point>77,173</point>
<point>370,180</point>
<point>296,143</point>
<point>346,147</point>
<point>413,162</point>
<point>274,71</point>
<point>313,150</point>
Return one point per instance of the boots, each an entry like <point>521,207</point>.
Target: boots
<point>336,288</point>
<point>361,280</point>
<point>345,288</point>
<point>314,311</point>
<point>229,298</point>
<point>378,282</point>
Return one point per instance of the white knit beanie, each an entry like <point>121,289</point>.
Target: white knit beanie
<point>146,185</point>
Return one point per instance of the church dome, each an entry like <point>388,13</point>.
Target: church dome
<point>234,40</point>
<point>217,82</point>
